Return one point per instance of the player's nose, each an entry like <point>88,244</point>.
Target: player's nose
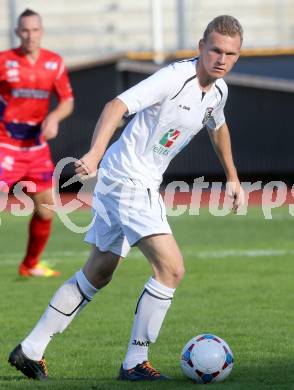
<point>221,58</point>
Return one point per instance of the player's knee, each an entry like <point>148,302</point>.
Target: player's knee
<point>44,213</point>
<point>174,273</point>
<point>179,269</point>
<point>104,281</point>
<point>178,273</point>
<point>100,267</point>
<point>98,279</point>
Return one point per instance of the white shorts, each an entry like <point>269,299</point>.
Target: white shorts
<point>124,213</point>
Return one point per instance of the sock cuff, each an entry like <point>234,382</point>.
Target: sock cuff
<point>40,225</point>
<point>159,290</point>
<point>41,221</point>
<point>86,287</point>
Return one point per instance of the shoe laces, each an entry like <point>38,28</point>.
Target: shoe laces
<point>148,367</point>
<point>44,366</point>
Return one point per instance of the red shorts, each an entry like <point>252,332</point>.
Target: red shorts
<point>33,166</point>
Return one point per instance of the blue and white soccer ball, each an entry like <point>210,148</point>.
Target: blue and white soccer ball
<point>207,359</point>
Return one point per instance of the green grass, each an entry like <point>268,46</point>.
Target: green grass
<point>238,285</point>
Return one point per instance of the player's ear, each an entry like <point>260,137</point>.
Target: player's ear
<point>237,57</point>
<point>201,45</point>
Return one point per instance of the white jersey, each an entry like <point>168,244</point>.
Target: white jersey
<point>170,110</point>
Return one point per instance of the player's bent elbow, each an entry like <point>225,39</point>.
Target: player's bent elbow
<point>71,106</point>
<point>116,105</point>
<point>68,107</point>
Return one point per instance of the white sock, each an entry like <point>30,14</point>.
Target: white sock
<point>151,309</point>
<point>67,302</point>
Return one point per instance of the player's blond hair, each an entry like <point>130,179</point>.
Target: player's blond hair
<point>225,25</point>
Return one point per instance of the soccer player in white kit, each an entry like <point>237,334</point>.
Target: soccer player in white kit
<point>171,107</point>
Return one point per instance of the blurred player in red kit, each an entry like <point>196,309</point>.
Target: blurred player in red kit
<point>28,77</point>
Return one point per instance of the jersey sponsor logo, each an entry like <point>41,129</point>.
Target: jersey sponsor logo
<point>207,115</point>
<point>166,142</point>
<point>169,138</point>
<point>51,65</point>
<point>11,64</point>
<point>29,93</point>
<point>144,343</point>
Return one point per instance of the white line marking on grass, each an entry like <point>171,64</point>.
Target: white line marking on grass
<point>15,257</point>
<point>57,257</point>
<point>52,254</point>
<point>241,253</point>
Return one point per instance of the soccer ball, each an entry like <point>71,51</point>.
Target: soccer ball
<point>206,359</point>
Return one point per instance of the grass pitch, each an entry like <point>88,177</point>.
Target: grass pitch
<point>238,285</point>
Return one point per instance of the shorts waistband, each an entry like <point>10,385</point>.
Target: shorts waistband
<point>108,179</point>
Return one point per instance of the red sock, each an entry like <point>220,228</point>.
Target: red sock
<point>39,232</point>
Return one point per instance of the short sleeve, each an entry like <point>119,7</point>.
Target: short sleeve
<point>150,91</point>
<point>217,118</point>
<point>62,85</point>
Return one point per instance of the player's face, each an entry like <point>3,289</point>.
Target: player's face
<point>218,54</point>
<point>30,32</point>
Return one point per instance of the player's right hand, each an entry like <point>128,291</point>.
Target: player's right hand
<point>49,126</point>
<point>86,166</point>
<point>236,193</point>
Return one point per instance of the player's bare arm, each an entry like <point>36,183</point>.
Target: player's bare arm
<point>221,142</point>
<point>107,124</point>
<point>50,124</point>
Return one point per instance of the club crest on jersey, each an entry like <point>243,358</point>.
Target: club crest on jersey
<point>11,64</point>
<point>51,65</point>
<point>207,115</point>
<point>12,75</point>
<point>166,142</point>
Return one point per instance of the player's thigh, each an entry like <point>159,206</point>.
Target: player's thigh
<point>12,168</point>
<point>43,197</point>
<point>40,170</point>
<point>100,266</point>
<point>165,257</point>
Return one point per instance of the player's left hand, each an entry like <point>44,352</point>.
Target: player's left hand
<point>49,127</point>
<point>236,192</point>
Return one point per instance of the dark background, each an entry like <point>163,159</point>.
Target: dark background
<point>260,122</point>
